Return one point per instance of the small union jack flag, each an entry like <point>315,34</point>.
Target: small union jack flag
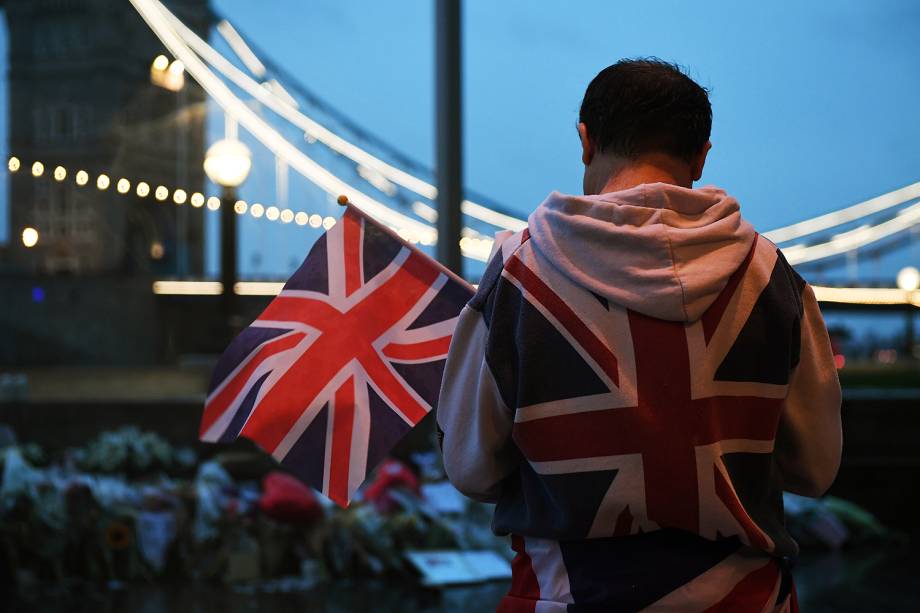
<point>344,361</point>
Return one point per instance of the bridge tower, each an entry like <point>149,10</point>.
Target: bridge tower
<point>80,95</point>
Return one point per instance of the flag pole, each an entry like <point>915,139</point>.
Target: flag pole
<point>345,202</point>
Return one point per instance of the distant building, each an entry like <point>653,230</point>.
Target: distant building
<point>81,96</point>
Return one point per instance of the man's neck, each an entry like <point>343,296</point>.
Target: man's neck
<point>624,174</point>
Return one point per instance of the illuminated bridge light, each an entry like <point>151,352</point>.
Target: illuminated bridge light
<point>188,288</point>
<point>866,295</point>
<point>29,237</point>
<point>161,62</point>
<point>257,288</point>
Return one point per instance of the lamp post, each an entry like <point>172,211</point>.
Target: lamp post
<point>909,281</point>
<point>448,98</point>
<point>227,163</point>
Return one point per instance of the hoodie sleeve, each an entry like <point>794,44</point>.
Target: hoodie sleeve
<point>809,441</point>
<point>473,419</point>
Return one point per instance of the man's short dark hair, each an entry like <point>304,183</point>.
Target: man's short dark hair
<point>646,105</point>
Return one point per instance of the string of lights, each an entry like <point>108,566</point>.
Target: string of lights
<point>178,196</point>
<point>472,242</point>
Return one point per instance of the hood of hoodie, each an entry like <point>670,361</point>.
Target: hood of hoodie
<point>659,249</point>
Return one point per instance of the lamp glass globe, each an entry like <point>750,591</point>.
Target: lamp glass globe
<point>228,162</point>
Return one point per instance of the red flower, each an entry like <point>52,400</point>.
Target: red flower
<point>391,474</point>
<point>287,500</point>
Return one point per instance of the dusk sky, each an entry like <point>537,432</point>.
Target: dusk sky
<point>815,104</point>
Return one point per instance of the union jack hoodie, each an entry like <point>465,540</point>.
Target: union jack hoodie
<point>638,378</point>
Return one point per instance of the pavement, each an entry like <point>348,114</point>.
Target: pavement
<point>92,383</point>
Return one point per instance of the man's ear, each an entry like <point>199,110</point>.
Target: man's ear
<point>587,147</point>
<point>699,161</point>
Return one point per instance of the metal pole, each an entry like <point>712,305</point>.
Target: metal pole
<point>910,333</point>
<point>182,179</point>
<point>228,248</point>
<point>448,97</point>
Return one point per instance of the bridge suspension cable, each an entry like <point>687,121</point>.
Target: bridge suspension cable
<point>281,105</point>
<point>153,13</point>
<point>854,239</point>
<point>845,215</point>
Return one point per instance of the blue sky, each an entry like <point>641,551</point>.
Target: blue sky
<point>815,103</point>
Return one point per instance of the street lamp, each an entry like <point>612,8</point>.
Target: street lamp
<point>909,281</point>
<point>227,163</point>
